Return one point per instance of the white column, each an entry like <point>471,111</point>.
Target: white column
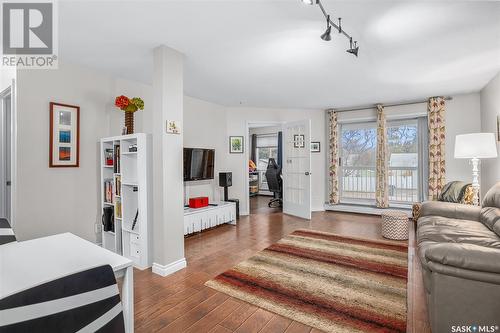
<point>168,203</point>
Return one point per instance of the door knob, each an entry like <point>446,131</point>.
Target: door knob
<point>307,173</point>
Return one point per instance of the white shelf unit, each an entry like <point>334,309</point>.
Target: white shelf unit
<point>199,219</point>
<point>135,196</point>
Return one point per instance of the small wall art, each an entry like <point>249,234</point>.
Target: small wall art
<point>315,147</point>
<point>236,145</point>
<point>299,141</point>
<point>64,150</point>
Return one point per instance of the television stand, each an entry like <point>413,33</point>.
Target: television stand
<point>216,213</point>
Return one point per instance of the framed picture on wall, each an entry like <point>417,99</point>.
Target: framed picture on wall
<point>236,144</point>
<point>64,150</point>
<point>315,147</point>
<point>299,141</point>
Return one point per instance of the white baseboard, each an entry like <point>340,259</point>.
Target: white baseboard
<point>173,267</point>
<point>363,209</point>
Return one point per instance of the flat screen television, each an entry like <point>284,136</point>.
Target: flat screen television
<point>198,164</point>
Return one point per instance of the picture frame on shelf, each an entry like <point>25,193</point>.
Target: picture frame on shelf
<point>299,141</point>
<point>64,149</point>
<point>236,145</point>
<point>315,147</point>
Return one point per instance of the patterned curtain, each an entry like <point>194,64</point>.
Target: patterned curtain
<point>382,171</point>
<point>437,165</point>
<point>333,161</point>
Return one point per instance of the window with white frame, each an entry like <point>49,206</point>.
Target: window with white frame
<point>407,161</point>
<point>266,148</point>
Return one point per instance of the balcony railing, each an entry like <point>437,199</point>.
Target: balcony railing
<point>358,183</point>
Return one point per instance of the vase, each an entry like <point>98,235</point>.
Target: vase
<point>129,122</point>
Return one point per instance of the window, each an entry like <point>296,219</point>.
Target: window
<point>402,141</point>
<point>358,151</point>
<point>358,144</point>
<point>266,148</point>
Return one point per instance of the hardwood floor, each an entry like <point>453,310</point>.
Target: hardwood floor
<point>181,303</point>
<point>259,204</point>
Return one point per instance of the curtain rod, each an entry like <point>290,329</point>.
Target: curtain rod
<point>374,106</point>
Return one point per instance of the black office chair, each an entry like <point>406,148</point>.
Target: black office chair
<point>275,183</point>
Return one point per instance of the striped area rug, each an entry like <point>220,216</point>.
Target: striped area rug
<point>330,282</point>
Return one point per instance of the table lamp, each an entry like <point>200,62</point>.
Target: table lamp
<point>475,146</point>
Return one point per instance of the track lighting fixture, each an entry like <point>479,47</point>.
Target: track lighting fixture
<point>326,35</point>
<point>353,48</point>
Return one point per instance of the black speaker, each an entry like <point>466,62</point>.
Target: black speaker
<point>225,179</point>
<point>108,219</point>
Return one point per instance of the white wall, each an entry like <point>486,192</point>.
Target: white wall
<point>463,115</point>
<point>490,110</point>
<point>55,200</point>
<point>204,126</point>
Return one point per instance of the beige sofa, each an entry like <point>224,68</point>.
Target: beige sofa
<point>459,248</point>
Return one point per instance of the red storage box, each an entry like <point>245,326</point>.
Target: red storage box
<point>198,202</point>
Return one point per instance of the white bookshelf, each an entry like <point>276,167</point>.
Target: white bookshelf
<point>133,197</point>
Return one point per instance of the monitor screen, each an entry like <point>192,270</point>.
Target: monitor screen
<point>198,164</point>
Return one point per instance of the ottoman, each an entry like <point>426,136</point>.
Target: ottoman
<point>394,225</point>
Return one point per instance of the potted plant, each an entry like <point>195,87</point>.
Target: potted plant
<point>129,106</point>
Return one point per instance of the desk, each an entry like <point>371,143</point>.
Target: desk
<point>30,263</point>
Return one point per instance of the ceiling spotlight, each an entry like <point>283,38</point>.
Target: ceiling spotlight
<point>353,50</point>
<point>326,35</point>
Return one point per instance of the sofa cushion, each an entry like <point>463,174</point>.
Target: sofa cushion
<point>490,217</point>
<point>450,210</point>
<point>445,230</point>
<point>492,197</point>
<point>437,229</point>
<point>453,192</point>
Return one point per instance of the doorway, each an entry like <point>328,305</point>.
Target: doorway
<point>6,126</point>
<point>263,146</point>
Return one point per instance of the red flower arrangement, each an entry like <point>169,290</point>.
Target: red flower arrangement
<point>122,102</point>
<point>129,104</point>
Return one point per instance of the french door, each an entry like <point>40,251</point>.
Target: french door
<point>296,168</point>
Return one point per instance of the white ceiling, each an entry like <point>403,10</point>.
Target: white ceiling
<point>269,54</point>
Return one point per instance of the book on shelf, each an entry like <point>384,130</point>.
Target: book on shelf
<point>108,191</point>
<point>118,185</point>
<point>118,209</point>
<point>116,156</point>
<point>108,156</point>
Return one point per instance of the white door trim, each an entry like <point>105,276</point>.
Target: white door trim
<point>11,90</point>
<point>248,125</point>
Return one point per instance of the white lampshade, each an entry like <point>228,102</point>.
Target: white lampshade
<point>475,145</point>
